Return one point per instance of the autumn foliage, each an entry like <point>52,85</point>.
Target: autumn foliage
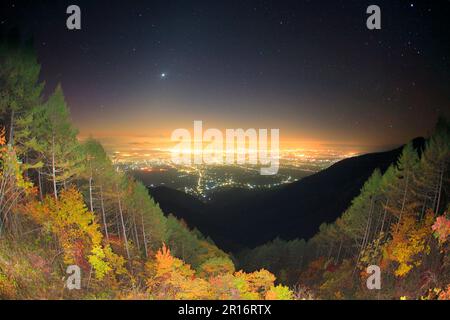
<point>77,232</point>
<point>409,241</point>
<point>171,278</point>
<point>441,228</point>
<point>64,202</point>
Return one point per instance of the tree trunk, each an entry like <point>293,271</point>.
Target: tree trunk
<point>365,238</point>
<point>119,233</point>
<point>103,214</point>
<point>439,191</point>
<point>11,129</point>
<point>90,194</point>
<point>136,235</point>
<point>339,251</point>
<point>403,202</point>
<point>384,215</point>
<point>55,190</point>
<point>123,227</point>
<point>144,237</point>
<point>41,195</point>
<point>330,252</point>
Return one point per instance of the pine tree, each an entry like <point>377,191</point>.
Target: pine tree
<point>432,178</point>
<point>149,227</point>
<point>20,93</point>
<point>100,174</point>
<point>400,190</point>
<point>61,153</point>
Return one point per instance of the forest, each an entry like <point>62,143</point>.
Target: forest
<point>398,222</point>
<point>63,203</point>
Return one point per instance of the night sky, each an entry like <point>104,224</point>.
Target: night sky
<point>139,69</point>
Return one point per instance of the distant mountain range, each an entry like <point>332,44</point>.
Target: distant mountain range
<point>239,218</point>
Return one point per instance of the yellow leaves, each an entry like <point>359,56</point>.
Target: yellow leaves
<point>216,266</point>
<point>243,287</point>
<point>170,278</point>
<point>77,232</point>
<point>260,281</point>
<point>436,294</point>
<point>196,289</point>
<point>409,239</point>
<point>116,261</point>
<point>97,261</point>
<point>403,268</point>
<point>372,253</point>
<point>256,285</point>
<point>279,292</point>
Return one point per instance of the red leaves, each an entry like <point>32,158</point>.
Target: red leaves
<point>441,228</point>
<point>78,252</point>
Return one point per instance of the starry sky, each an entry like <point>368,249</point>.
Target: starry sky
<point>140,69</point>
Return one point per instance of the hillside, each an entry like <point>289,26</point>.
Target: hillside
<point>292,211</point>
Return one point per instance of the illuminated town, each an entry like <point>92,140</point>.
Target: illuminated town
<point>203,181</point>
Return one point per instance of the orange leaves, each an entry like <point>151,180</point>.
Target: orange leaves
<point>164,257</point>
<point>167,265</point>
<point>314,270</point>
<point>441,228</point>
<point>445,294</point>
<point>170,278</point>
<point>216,266</point>
<point>2,136</point>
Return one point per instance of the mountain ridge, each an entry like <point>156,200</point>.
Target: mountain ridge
<point>292,211</point>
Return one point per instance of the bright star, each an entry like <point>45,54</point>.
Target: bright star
<point>163,75</point>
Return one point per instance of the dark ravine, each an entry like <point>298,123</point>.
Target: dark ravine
<point>292,211</point>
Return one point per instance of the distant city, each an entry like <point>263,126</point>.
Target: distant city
<point>204,181</point>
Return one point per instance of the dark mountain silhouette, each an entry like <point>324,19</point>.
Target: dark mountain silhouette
<point>181,205</point>
<point>242,218</point>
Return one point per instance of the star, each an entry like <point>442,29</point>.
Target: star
<point>163,75</point>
